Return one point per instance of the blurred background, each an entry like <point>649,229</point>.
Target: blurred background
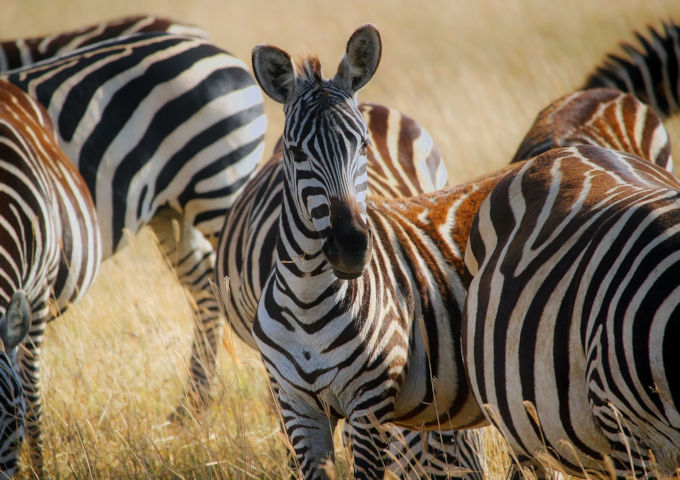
<point>474,74</point>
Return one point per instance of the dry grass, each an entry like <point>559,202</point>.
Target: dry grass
<point>473,73</point>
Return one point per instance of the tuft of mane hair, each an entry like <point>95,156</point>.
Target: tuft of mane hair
<point>309,67</point>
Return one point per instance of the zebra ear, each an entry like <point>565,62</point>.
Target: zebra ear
<point>361,59</point>
<point>274,72</point>
<point>14,324</point>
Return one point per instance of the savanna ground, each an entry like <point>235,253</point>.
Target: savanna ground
<point>473,73</point>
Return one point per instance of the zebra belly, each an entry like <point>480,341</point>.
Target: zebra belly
<point>435,395</point>
<point>536,392</point>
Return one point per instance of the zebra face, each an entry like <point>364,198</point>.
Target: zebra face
<point>329,189</point>
<point>325,140</point>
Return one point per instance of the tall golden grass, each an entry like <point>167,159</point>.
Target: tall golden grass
<point>473,73</point>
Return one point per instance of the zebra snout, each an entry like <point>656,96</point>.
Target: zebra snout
<point>349,242</point>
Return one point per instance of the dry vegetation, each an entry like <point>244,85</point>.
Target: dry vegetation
<point>473,73</point>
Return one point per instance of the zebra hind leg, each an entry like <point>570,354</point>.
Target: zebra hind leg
<point>192,257</point>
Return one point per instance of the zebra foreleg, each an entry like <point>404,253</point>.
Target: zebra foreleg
<point>310,433</point>
<point>369,441</point>
<point>193,258</point>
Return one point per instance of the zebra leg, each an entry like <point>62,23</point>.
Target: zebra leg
<point>528,469</point>
<point>28,361</point>
<point>448,454</point>
<point>369,441</point>
<point>193,258</point>
<point>310,433</point>
<point>456,453</point>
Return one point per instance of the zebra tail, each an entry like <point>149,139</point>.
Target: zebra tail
<point>651,71</point>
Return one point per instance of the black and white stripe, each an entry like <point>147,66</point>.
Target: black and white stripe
<point>50,245</point>
<point>165,130</point>
<point>571,330</point>
<point>27,51</point>
<point>358,319</point>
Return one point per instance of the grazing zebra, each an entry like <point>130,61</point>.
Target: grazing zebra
<point>599,116</point>
<point>402,160</point>
<point>650,73</point>
<point>165,130</point>
<point>360,316</point>
<point>50,245</point>
<point>14,325</point>
<point>571,325</point>
<point>27,51</point>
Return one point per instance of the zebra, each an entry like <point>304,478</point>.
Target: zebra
<point>14,325</point>
<point>341,260</point>
<point>568,334</point>
<point>27,51</point>
<point>165,130</point>
<point>650,73</point>
<point>51,245</point>
<point>402,161</point>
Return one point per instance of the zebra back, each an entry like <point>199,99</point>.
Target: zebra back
<point>570,322</point>
<point>27,51</point>
<point>602,116</point>
<point>649,72</point>
<point>61,210</point>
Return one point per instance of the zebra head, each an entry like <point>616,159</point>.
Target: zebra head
<point>14,325</point>
<point>324,142</point>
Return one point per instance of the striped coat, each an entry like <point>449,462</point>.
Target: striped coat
<point>360,320</point>
<point>14,325</point>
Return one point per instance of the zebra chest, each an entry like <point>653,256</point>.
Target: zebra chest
<point>324,350</point>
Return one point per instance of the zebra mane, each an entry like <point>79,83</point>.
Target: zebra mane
<point>309,68</point>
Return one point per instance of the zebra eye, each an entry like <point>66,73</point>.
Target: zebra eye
<point>364,147</point>
<point>297,154</point>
